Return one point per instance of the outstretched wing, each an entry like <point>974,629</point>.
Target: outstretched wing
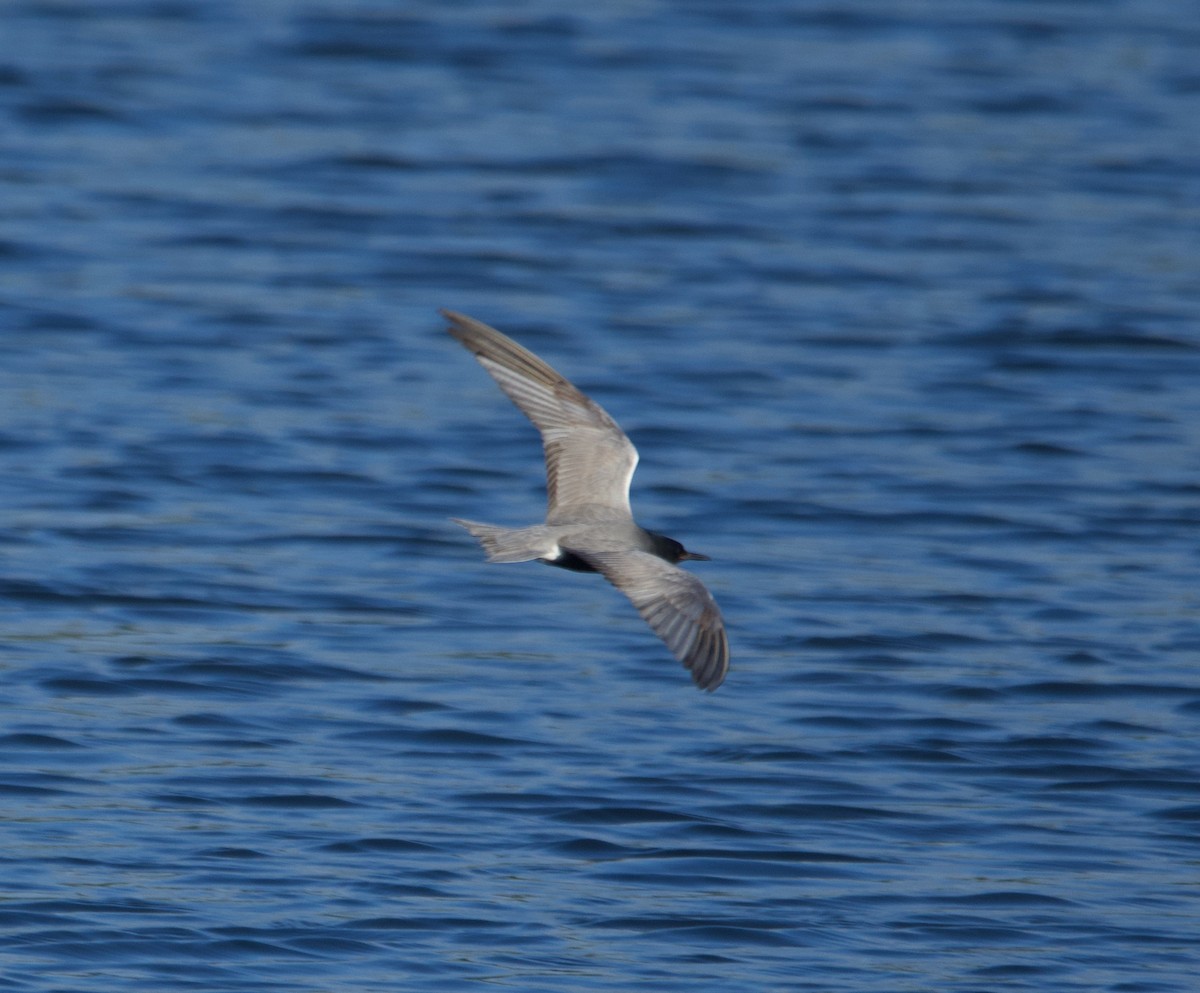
<point>588,458</point>
<point>676,605</point>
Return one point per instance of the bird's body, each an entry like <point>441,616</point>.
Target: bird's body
<point>589,526</point>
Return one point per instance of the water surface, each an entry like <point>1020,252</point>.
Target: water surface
<point>898,302</point>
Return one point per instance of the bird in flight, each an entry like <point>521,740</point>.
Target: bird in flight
<point>589,526</point>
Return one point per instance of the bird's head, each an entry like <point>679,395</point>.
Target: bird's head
<point>672,550</point>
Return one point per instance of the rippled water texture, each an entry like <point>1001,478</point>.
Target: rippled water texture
<point>899,302</point>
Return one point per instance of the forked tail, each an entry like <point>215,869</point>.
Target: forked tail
<point>510,544</point>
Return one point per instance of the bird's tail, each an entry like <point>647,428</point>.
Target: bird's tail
<point>510,544</point>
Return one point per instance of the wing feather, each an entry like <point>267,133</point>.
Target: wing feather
<point>589,460</point>
<point>676,605</point>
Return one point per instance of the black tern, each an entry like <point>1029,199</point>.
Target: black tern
<point>589,526</point>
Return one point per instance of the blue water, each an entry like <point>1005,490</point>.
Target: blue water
<point>898,301</point>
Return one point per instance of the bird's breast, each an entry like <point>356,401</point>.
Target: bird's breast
<point>569,560</point>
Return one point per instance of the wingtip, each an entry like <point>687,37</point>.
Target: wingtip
<point>710,665</point>
<point>471,333</point>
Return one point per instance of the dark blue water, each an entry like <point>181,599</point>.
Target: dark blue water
<point>899,302</point>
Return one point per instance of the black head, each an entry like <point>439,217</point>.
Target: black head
<point>672,550</point>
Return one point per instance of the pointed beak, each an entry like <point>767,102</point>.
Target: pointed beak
<point>694,555</point>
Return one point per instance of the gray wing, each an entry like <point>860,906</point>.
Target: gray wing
<point>588,458</point>
<point>676,605</point>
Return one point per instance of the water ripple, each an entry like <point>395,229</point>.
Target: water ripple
<point>898,305</point>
